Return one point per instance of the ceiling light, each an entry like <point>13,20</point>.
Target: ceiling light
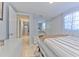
<point>51,1</point>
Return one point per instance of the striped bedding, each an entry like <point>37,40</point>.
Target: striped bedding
<point>67,46</point>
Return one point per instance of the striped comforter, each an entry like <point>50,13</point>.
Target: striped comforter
<point>67,46</point>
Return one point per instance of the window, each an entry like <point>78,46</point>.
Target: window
<point>71,21</point>
<point>42,26</point>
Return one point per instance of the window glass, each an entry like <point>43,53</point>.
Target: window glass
<point>71,21</point>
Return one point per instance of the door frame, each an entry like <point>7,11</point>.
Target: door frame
<point>21,14</point>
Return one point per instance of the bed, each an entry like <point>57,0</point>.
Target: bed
<point>60,46</point>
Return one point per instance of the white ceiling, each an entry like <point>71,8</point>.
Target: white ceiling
<point>45,9</point>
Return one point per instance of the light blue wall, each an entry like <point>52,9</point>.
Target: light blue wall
<point>3,24</point>
<point>34,27</point>
<point>56,26</point>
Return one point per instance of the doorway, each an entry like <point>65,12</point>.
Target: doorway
<point>23,26</point>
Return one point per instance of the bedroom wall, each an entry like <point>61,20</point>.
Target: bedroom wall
<point>34,27</point>
<point>56,26</point>
<point>3,23</point>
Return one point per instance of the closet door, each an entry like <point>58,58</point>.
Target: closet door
<point>12,23</point>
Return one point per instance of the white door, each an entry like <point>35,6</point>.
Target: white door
<point>12,23</point>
